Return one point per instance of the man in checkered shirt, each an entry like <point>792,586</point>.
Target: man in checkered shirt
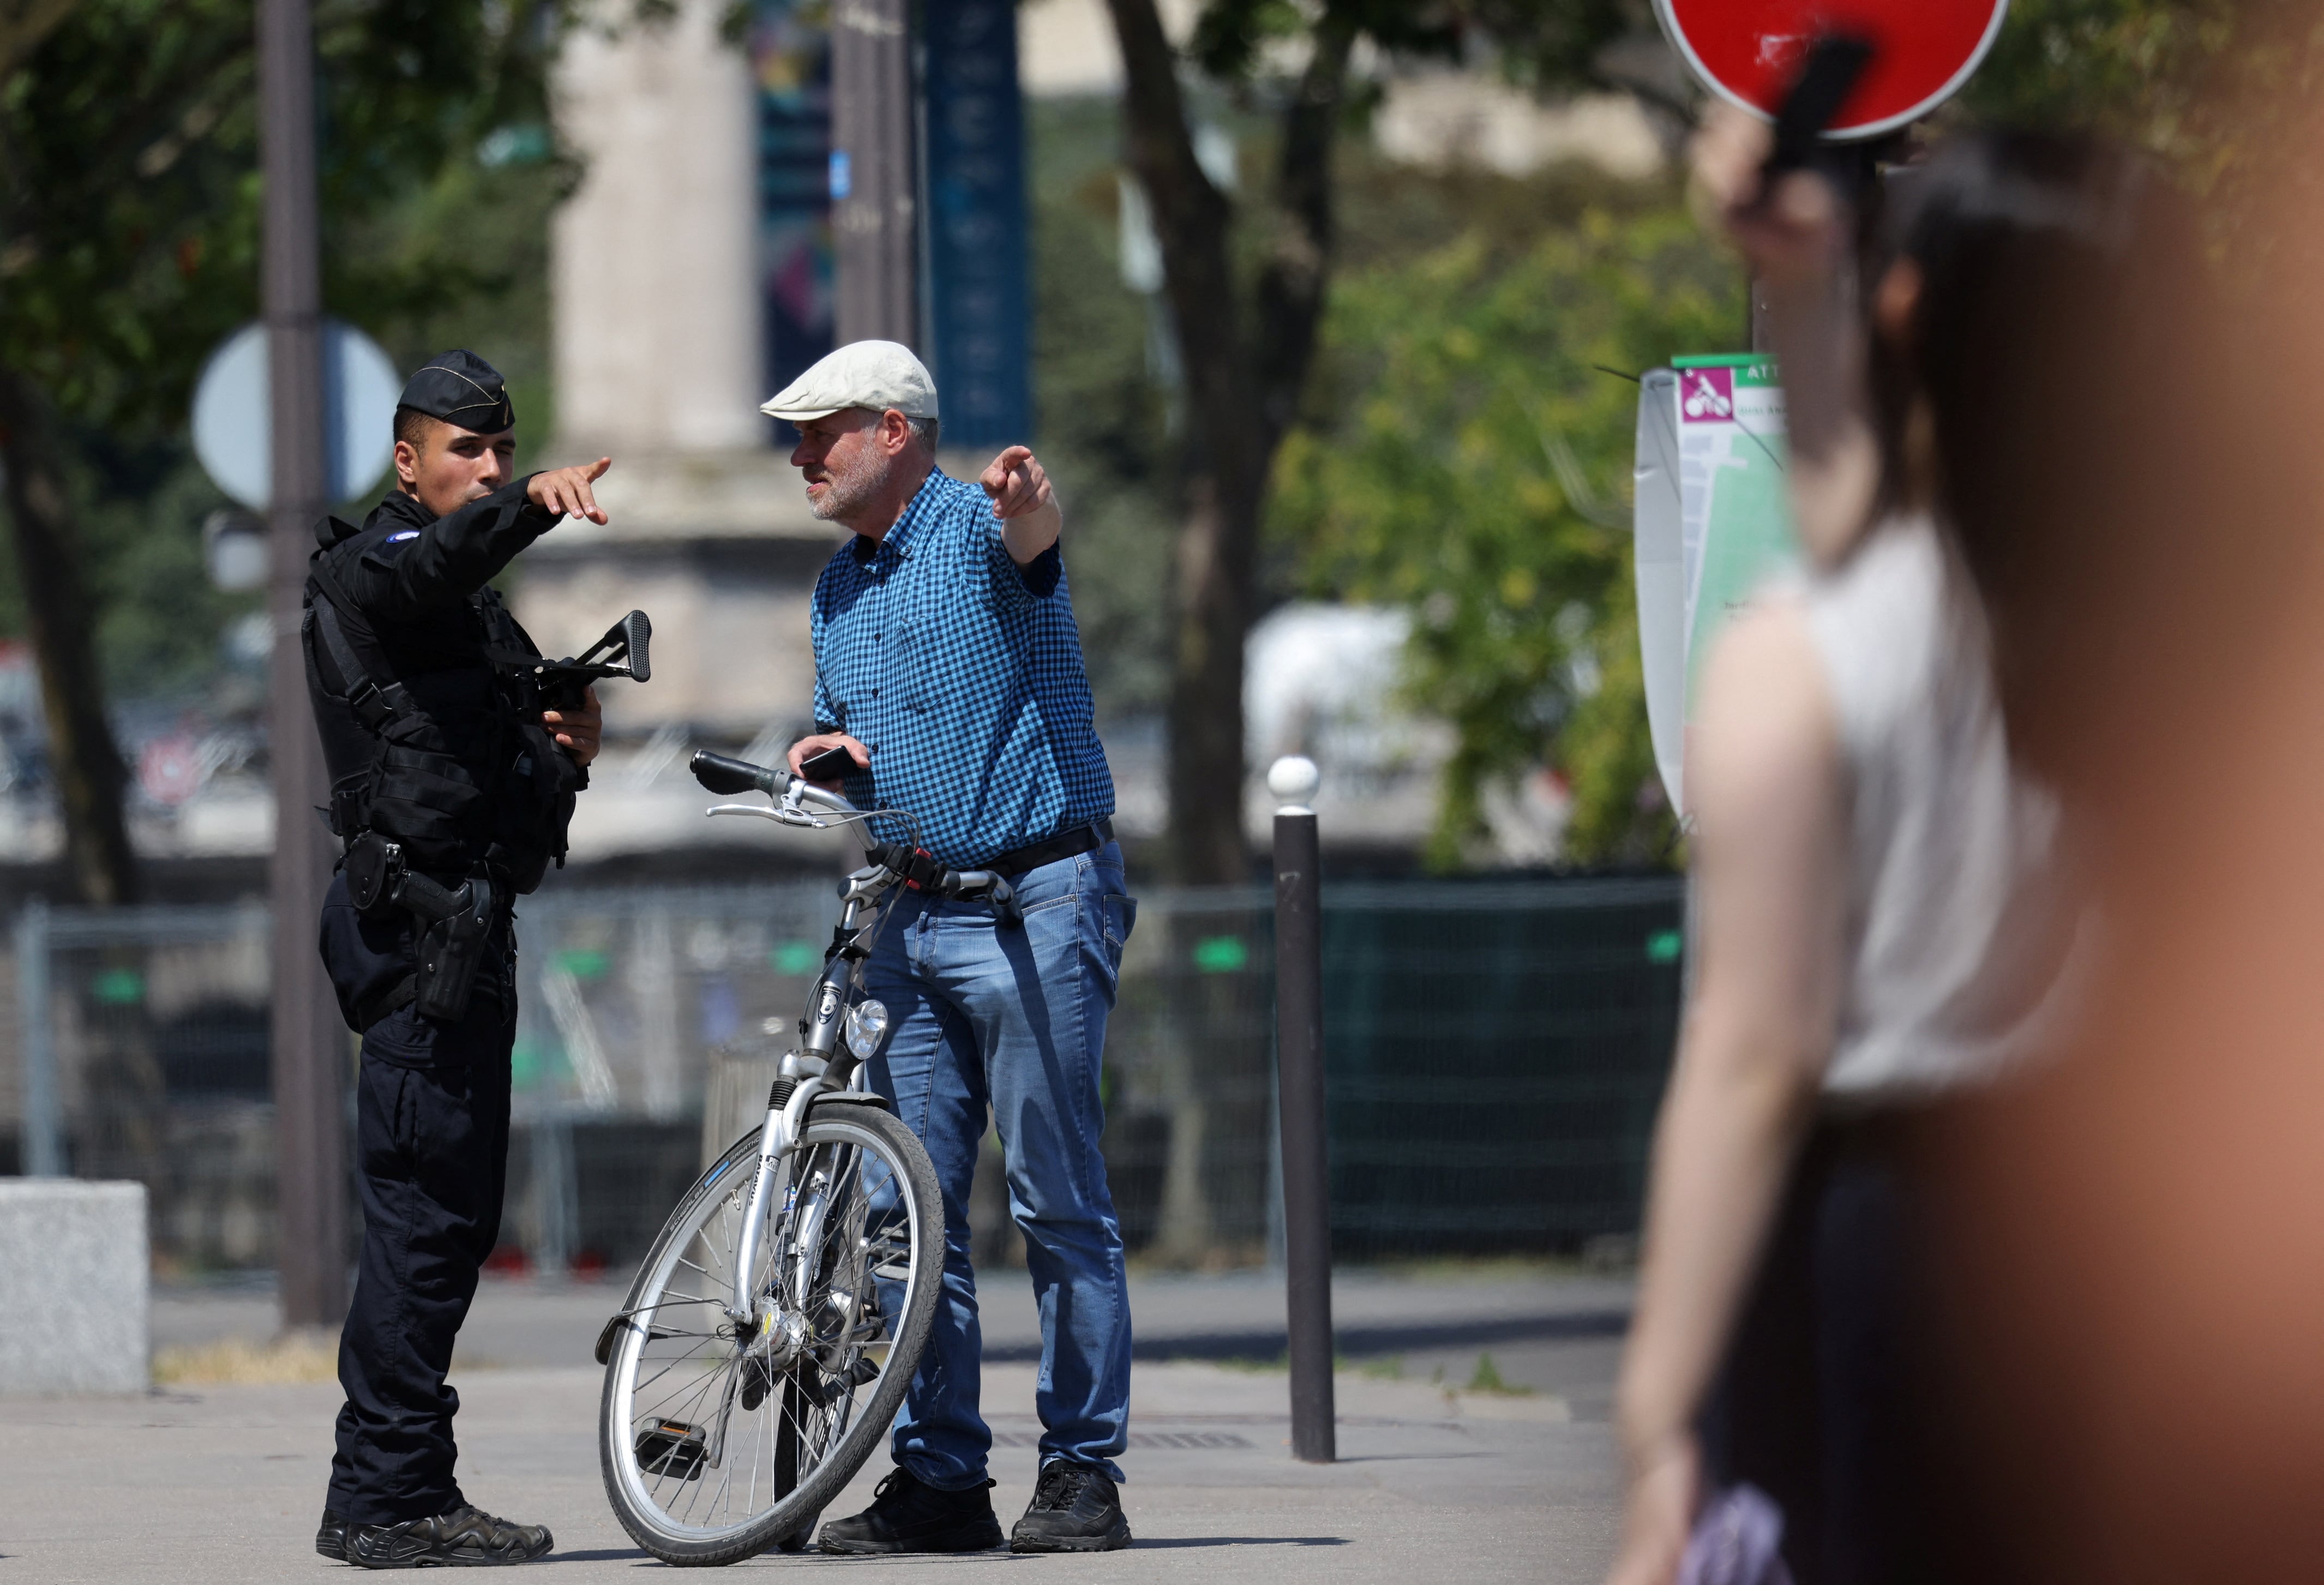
<point>948,667</point>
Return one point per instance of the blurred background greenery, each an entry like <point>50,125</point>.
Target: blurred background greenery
<point>1465,446</point>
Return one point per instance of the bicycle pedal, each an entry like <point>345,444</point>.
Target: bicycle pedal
<point>672,1447</point>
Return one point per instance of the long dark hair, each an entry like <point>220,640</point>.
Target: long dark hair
<point>2068,350</point>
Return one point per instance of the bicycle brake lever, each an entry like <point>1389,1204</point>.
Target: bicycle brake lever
<point>778,813</point>
<point>1004,906</point>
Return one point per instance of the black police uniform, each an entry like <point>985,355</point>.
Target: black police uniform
<point>435,749</point>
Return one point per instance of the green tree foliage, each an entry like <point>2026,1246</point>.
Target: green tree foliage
<point>129,233</point>
<point>2190,80</point>
<point>1463,450</point>
<point>1476,471</point>
<point>1103,421</point>
<point>2223,92</point>
<point>129,184</point>
<point>2130,67</point>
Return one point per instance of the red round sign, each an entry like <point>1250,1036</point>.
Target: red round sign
<point>1750,51</point>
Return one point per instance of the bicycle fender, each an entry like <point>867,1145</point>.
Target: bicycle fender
<point>612,1327</point>
<point>734,1154</point>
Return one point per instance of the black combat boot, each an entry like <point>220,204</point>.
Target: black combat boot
<point>1074,1508</point>
<point>908,1515</point>
<point>466,1537</point>
<point>331,1536</point>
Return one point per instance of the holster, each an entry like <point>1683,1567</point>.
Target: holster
<point>452,945</point>
<point>453,927</point>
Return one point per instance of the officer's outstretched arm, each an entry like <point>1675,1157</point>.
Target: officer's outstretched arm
<point>461,552</point>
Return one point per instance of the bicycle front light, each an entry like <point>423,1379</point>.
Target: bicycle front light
<point>867,1021</point>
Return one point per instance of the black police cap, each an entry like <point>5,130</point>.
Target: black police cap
<point>460,388</point>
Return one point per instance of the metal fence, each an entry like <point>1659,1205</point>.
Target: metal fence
<point>1495,1052</point>
<point>143,1046</point>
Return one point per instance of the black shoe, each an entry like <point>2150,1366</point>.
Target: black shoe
<point>331,1537</point>
<point>1074,1508</point>
<point>908,1515</point>
<point>466,1538</point>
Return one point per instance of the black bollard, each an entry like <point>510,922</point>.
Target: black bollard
<point>1299,1070</point>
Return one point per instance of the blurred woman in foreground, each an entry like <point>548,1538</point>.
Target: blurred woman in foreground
<point>1881,767</point>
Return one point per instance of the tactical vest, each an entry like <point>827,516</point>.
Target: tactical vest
<point>452,761</point>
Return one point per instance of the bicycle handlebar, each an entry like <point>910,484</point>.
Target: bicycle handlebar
<point>728,776</point>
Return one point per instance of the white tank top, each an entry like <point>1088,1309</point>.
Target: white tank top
<point>1957,920</point>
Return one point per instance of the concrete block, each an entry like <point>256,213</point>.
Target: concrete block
<point>75,1280</point>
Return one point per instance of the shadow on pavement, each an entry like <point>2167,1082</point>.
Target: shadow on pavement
<point>1351,1339</point>
<point>1166,1541</point>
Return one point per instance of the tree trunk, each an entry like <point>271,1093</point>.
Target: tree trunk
<point>1242,398</point>
<point>84,764</point>
<point>23,24</point>
<point>1242,395</point>
<point>1213,591</point>
<point>1291,286</point>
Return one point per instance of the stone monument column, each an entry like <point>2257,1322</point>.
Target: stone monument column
<point>657,338</point>
<point>660,352</point>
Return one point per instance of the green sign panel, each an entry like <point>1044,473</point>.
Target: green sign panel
<point>1714,523</point>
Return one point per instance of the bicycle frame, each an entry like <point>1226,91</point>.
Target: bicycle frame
<point>822,1065</point>
<point>818,1067</point>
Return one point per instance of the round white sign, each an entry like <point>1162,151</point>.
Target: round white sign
<point>233,436</point>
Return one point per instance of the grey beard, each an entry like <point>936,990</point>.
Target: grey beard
<point>847,493</point>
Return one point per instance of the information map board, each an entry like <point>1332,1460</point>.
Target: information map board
<point>1713,523</point>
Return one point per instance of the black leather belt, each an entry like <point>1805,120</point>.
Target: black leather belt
<point>1068,844</point>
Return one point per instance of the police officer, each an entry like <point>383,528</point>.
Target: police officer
<point>450,790</point>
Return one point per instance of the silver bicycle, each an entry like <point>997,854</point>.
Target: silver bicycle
<point>766,1343</point>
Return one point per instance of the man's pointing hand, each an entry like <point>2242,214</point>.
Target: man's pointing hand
<point>565,491</point>
<point>1030,520</point>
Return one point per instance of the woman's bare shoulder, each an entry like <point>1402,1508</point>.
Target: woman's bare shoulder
<point>1764,731</point>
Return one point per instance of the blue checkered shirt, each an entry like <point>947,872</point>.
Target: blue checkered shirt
<point>961,673</point>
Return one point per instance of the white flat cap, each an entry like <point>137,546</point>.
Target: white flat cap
<point>877,374</point>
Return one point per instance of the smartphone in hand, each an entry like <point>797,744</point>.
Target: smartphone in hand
<point>831,765</point>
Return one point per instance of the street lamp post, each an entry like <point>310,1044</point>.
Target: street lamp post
<point>874,207</point>
<point>309,1047</point>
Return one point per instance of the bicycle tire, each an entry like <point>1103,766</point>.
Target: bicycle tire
<point>803,1492</point>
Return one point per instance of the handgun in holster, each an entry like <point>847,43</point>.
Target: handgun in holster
<point>455,927</point>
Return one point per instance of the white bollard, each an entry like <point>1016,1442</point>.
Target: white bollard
<point>1293,780</point>
<point>75,1283</point>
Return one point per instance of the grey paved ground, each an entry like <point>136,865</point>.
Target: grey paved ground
<point>1555,1333</point>
<point>223,1483</point>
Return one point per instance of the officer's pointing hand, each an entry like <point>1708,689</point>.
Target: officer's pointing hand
<point>579,733</point>
<point>565,491</point>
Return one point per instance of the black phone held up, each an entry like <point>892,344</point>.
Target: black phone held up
<point>831,765</point>
<point>1834,63</point>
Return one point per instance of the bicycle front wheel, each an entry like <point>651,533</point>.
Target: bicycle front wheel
<point>717,1445</point>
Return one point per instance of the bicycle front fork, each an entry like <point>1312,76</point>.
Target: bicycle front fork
<point>776,1140</point>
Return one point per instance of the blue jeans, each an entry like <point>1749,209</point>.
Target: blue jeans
<point>1014,1019</point>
